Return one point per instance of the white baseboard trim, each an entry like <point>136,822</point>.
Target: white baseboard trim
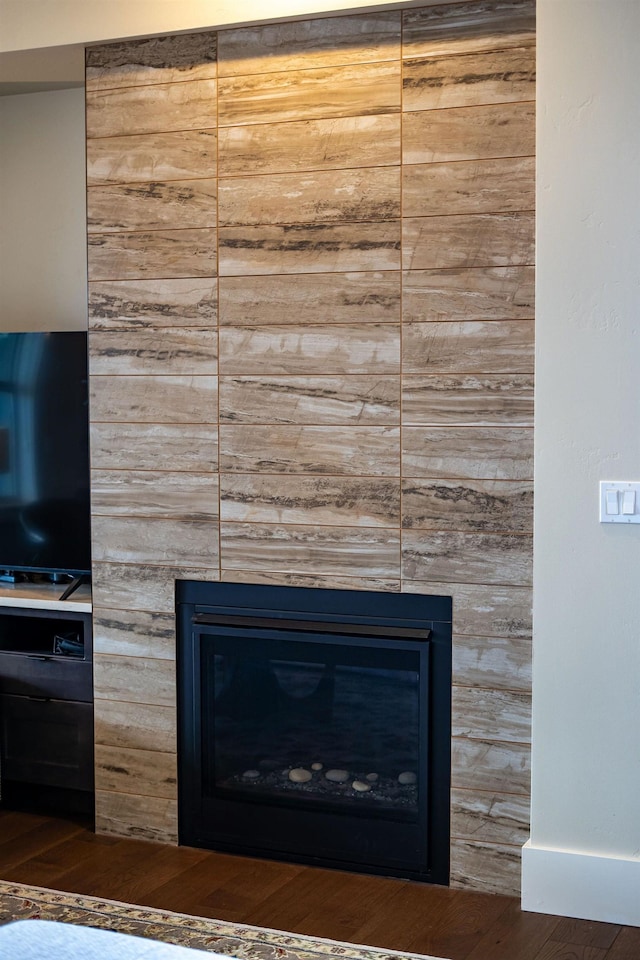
<point>571,883</point>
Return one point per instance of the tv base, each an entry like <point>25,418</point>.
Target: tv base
<point>10,576</point>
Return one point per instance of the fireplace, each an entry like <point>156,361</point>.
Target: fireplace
<point>314,725</point>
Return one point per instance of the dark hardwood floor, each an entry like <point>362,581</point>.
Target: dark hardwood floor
<point>66,855</point>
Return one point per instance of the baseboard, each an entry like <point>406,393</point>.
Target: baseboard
<point>575,884</point>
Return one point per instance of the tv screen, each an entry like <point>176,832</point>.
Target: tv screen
<point>44,453</point>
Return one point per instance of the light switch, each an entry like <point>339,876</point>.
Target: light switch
<point>629,502</point>
<point>611,497</point>
<point>619,501</point>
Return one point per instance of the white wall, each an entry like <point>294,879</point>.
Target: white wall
<point>583,858</point>
<point>43,263</point>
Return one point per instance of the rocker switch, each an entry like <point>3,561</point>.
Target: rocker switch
<point>620,501</point>
<point>612,502</point>
<point>629,502</point>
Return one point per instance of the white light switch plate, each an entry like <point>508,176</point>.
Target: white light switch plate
<point>619,501</point>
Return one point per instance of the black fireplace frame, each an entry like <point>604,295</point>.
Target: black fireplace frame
<point>414,622</point>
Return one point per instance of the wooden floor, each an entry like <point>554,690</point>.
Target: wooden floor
<point>66,855</point>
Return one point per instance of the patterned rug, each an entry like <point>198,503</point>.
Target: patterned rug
<point>20,902</point>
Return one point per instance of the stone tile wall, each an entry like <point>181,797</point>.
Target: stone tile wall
<point>311,336</point>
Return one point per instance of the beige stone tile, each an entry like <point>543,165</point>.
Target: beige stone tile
<point>368,348</point>
<point>301,145</point>
<point>480,293</point>
<point>361,400</point>
<point>491,400</point>
<point>483,714</point>
<point>134,633</point>
<point>325,42</point>
<point>309,580</point>
<point>504,506</point>
<point>171,351</point>
<point>461,27</point>
<point>311,248</point>
<point>188,204</point>
<point>469,133</point>
<point>153,304</point>
<point>154,446</point>
<point>489,817</point>
<point>474,346</point>
<point>341,91</point>
<point>118,586</point>
<point>164,254</point>
<point>486,867</point>
<point>468,240</point>
<point>468,186</point>
<point>158,108</point>
<point>121,770</point>
<point>145,680</point>
<point>321,551</point>
<point>495,662</point>
<point>140,726</point>
<point>316,298</point>
<point>184,56</point>
<point>493,767</point>
<point>433,83</point>
<point>139,158</point>
<point>489,558</point>
<point>481,610</point>
<point>337,501</point>
<point>285,449</point>
<point>149,399</point>
<point>143,818</point>
<point>367,193</point>
<point>154,493</point>
<point>472,453</point>
<point>163,542</point>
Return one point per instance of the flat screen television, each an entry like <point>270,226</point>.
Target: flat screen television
<point>44,454</point>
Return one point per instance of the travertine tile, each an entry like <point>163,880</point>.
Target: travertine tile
<point>151,493</point>
<point>309,248</point>
<point>309,145</point>
<point>325,42</point>
<point>483,610</point>
<point>489,400</point>
<point>338,501</point>
<point>489,817</point>
<point>467,557</point>
<point>144,399</point>
<point>482,714</point>
<point>129,586</point>
<point>322,551</point>
<point>369,348</point>
<point>475,346</point>
<point>138,158</point>
<point>468,186</point>
<point>469,133</point>
<point>146,772</point>
<point>487,867</point>
<point>315,298</point>
<point>496,662</point>
<point>188,204</point>
<point>175,352</point>
<point>473,453</point>
<point>314,400</point>
<point>367,193</point>
<point>158,108</point>
<point>481,293</point>
<point>164,542</point>
<point>153,304</point>
<point>134,633</point>
<point>504,506</point>
<point>161,253</point>
<point>495,767</point>
<point>145,680</point>
<point>141,726</point>
<point>476,25</point>
<point>344,91</point>
<point>325,582</point>
<point>144,818</point>
<point>468,240</point>
<point>349,450</point>
<point>154,446</point>
<point>469,79</point>
<point>184,56</point>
